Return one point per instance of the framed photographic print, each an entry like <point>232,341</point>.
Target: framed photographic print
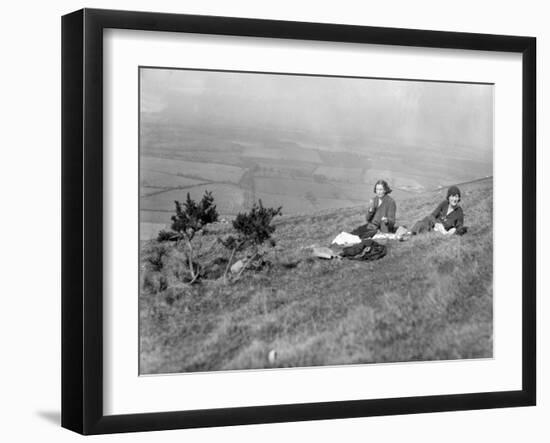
<point>269,221</point>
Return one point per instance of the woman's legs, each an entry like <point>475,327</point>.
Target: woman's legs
<point>423,225</point>
<point>386,227</point>
<point>365,231</point>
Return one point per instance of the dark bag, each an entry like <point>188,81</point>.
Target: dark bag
<point>366,250</point>
<point>352,251</point>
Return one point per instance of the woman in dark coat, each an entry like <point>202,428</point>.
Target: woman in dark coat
<point>447,218</point>
<point>380,213</point>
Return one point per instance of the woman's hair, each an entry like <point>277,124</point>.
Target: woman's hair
<point>453,190</point>
<point>384,183</point>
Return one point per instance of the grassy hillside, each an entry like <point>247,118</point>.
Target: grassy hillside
<point>430,298</point>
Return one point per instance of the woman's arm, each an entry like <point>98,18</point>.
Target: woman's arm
<point>373,203</point>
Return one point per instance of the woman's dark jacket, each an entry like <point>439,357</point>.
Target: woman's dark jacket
<point>455,219</point>
<point>386,209</point>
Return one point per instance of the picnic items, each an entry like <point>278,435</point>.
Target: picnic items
<point>367,250</point>
<point>345,239</point>
<point>401,234</point>
<point>323,252</point>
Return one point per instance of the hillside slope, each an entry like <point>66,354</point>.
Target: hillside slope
<point>430,298</point>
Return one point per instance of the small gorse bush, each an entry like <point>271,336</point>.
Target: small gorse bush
<point>253,230</point>
<point>252,233</point>
<point>189,221</point>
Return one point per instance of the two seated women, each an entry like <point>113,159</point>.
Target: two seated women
<point>447,218</point>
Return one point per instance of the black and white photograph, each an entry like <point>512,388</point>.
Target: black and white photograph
<point>305,220</point>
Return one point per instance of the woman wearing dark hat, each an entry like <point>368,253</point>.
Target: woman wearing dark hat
<point>380,214</point>
<point>447,218</point>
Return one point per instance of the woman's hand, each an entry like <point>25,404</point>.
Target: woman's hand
<point>384,219</point>
<point>371,205</point>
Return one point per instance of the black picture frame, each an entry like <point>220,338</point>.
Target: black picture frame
<point>82,220</point>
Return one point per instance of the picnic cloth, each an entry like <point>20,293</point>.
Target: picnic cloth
<point>345,239</point>
<point>397,235</point>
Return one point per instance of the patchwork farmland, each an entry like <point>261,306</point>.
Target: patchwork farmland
<point>294,170</point>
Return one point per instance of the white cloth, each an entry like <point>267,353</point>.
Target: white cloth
<point>398,235</point>
<point>345,239</point>
<point>385,235</point>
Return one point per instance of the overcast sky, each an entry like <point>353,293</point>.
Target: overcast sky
<point>447,114</point>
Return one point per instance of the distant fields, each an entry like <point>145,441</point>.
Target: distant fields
<point>229,198</point>
<point>340,174</point>
<point>285,152</point>
<point>296,187</point>
<point>294,170</point>
<point>165,179</point>
<point>200,170</point>
<point>301,205</point>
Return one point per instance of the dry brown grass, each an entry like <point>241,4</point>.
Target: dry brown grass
<point>430,298</point>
